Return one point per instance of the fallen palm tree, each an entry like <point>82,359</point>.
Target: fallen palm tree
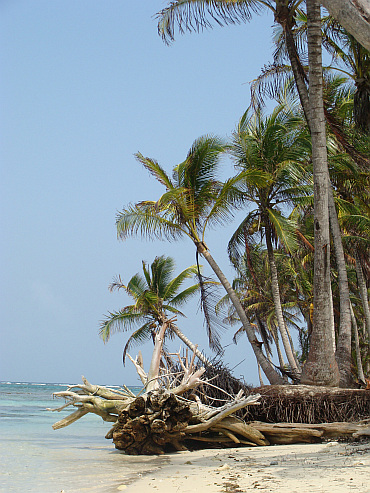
<point>171,410</point>
<point>310,404</point>
<point>160,417</point>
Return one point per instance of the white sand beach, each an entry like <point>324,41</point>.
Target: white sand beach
<point>331,467</point>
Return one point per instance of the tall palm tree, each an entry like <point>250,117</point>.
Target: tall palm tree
<point>321,367</point>
<point>193,200</point>
<point>157,295</point>
<point>276,147</point>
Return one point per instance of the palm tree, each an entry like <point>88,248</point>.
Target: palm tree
<point>193,200</point>
<point>321,367</point>
<point>194,15</point>
<point>276,147</point>
<point>156,295</point>
<point>254,286</point>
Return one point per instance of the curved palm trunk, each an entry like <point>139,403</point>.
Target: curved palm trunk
<point>277,302</point>
<point>298,72</point>
<point>321,367</point>
<point>343,351</point>
<point>153,372</point>
<point>190,345</point>
<point>360,370</point>
<point>363,291</point>
<point>273,377</point>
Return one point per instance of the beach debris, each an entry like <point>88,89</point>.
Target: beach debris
<point>172,411</point>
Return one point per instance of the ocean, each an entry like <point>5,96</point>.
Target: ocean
<point>36,458</point>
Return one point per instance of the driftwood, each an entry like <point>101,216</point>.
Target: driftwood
<point>285,433</point>
<point>173,411</point>
<point>161,418</point>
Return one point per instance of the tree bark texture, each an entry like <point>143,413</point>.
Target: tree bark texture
<point>354,16</point>
<point>321,367</point>
<point>360,370</point>
<point>363,292</point>
<point>343,349</point>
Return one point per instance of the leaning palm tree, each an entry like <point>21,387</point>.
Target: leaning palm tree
<point>193,200</point>
<point>156,295</point>
<point>276,147</point>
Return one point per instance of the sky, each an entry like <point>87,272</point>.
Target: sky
<point>85,85</point>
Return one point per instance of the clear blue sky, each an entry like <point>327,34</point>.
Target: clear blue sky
<point>85,84</point>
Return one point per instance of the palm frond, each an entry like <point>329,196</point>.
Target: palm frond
<point>155,170</point>
<point>285,229</point>
<point>243,235</point>
<point>273,81</point>
<point>136,286</point>
<point>193,15</point>
<point>174,285</point>
<point>122,320</point>
<point>144,220</point>
<point>141,335</point>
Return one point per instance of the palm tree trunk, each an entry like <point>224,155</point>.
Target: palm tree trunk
<point>363,291</point>
<point>343,351</point>
<point>275,336</point>
<point>292,347</point>
<point>189,344</point>
<point>260,375</point>
<point>354,15</point>
<point>298,72</point>
<point>332,322</point>
<point>360,371</point>
<point>273,377</point>
<point>321,367</point>
<point>153,372</point>
<point>277,302</point>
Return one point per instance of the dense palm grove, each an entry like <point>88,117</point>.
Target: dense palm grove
<point>274,183</point>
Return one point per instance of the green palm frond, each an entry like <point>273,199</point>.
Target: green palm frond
<point>141,335</point>
<point>122,320</point>
<point>285,229</point>
<point>155,169</point>
<point>144,220</point>
<point>197,173</point>
<point>357,222</point>
<point>162,269</point>
<point>243,234</point>
<point>186,295</point>
<point>228,198</point>
<point>174,285</point>
<point>146,274</point>
<point>136,287</point>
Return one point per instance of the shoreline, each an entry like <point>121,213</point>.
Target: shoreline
<point>333,467</point>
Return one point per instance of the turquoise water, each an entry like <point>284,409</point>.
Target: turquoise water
<point>36,458</point>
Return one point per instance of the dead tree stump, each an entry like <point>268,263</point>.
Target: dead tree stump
<point>153,424</point>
